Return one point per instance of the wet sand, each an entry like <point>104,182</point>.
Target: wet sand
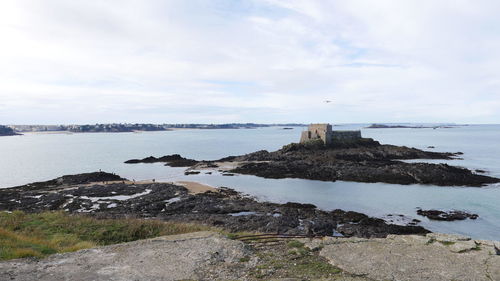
<point>193,187</point>
<point>196,187</point>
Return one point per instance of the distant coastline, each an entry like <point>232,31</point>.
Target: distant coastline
<point>384,126</point>
<point>129,127</point>
<point>12,130</point>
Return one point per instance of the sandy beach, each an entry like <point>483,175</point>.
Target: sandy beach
<point>196,187</point>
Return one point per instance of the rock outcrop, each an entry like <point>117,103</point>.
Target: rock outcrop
<point>225,208</point>
<point>174,160</point>
<point>67,180</point>
<point>178,257</point>
<point>362,161</point>
<point>446,215</point>
<point>437,257</point>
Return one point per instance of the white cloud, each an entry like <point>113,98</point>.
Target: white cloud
<point>260,61</point>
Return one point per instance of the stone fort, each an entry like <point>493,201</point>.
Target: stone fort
<point>324,132</point>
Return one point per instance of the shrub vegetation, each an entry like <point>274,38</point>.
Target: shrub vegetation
<point>40,234</point>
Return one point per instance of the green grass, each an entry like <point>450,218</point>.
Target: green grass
<point>245,259</point>
<point>431,241</point>
<point>293,260</point>
<point>295,244</point>
<point>38,235</point>
<point>316,268</point>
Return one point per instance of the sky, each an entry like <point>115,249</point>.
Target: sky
<point>263,61</point>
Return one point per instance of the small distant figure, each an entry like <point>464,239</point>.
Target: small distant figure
<point>153,180</point>
<point>328,101</point>
<point>100,171</point>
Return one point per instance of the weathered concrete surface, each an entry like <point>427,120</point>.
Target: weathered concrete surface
<point>176,257</point>
<point>436,257</point>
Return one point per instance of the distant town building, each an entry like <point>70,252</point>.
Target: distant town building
<point>324,132</point>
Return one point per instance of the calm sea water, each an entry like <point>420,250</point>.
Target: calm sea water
<point>37,157</point>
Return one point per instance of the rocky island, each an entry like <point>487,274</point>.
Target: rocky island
<point>329,155</point>
<point>452,215</point>
<point>363,161</point>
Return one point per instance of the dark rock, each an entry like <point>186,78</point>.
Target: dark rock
<point>191,173</point>
<point>373,227</point>
<point>227,159</point>
<point>497,250</point>
<point>349,216</point>
<point>174,160</point>
<point>446,215</point>
<point>414,222</point>
<point>133,161</point>
<point>299,205</point>
<point>84,178</point>
<point>367,171</point>
<point>228,208</point>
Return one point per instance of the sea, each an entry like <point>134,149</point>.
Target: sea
<point>42,156</point>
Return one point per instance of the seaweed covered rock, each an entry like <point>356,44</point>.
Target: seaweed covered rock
<point>446,215</point>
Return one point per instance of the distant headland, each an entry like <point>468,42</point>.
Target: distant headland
<point>7,131</point>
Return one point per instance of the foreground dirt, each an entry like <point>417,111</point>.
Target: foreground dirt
<point>194,256</point>
<point>165,258</point>
<point>212,256</point>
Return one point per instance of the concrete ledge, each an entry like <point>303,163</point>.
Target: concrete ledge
<point>437,257</point>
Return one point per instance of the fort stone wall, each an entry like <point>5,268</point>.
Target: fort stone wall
<point>346,135</point>
<point>325,133</point>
